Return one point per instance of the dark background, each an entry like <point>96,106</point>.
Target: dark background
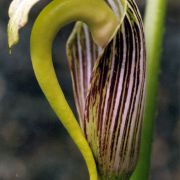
<point>33,143</point>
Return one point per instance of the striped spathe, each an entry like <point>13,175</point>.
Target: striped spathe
<point>109,88</point>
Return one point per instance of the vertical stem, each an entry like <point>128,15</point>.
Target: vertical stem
<point>154,29</point>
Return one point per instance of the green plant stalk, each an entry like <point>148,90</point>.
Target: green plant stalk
<point>102,23</point>
<point>154,30</point>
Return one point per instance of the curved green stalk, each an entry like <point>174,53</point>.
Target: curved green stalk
<point>154,29</point>
<point>102,23</point>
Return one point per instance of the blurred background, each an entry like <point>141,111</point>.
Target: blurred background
<point>33,143</point>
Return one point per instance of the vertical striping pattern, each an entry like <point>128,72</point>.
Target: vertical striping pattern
<point>82,53</point>
<point>115,100</point>
<point>109,88</point>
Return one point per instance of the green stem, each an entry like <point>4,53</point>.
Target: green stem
<point>154,29</point>
<point>102,23</point>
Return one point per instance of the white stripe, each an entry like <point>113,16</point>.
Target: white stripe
<point>80,71</point>
<point>88,53</point>
<point>113,5</point>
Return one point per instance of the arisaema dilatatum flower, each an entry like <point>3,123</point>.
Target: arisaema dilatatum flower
<point>107,59</point>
